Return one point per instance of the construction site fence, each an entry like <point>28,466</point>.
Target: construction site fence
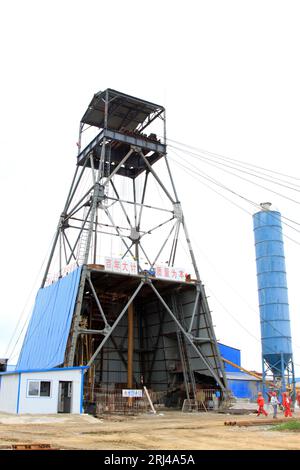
<point>208,399</point>
<point>102,401</point>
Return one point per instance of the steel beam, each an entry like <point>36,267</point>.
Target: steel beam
<point>115,324</point>
<point>149,232</point>
<point>97,300</point>
<point>142,200</point>
<point>188,337</point>
<point>121,203</point>
<point>157,178</point>
<point>191,251</point>
<point>118,167</point>
<point>130,346</point>
<point>194,309</point>
<point>79,235</point>
<point>143,205</point>
<point>74,187</point>
<point>211,332</point>
<point>163,245</point>
<point>76,319</point>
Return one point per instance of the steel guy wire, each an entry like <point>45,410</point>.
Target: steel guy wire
<point>217,155</point>
<point>221,163</point>
<point>257,206</point>
<point>267,321</point>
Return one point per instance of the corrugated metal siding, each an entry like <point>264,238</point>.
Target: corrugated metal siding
<point>272,289</point>
<point>159,348</point>
<point>232,354</point>
<point>46,338</point>
<point>245,388</point>
<point>200,329</point>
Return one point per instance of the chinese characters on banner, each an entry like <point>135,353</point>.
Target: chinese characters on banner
<point>166,272</point>
<point>118,265</point>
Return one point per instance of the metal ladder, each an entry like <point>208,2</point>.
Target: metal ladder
<point>106,167</point>
<point>82,244</point>
<point>188,373</point>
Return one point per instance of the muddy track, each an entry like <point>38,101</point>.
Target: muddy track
<point>171,430</point>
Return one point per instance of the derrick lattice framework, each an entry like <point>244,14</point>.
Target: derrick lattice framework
<point>138,317</point>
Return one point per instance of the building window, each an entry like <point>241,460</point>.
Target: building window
<point>45,389</point>
<point>33,389</point>
<point>39,388</point>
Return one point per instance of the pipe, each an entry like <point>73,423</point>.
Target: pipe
<point>130,348</point>
<point>241,368</point>
<point>130,352</point>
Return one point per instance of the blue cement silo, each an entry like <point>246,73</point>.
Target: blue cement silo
<point>277,356</point>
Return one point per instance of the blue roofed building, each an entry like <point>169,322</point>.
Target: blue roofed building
<point>242,385</point>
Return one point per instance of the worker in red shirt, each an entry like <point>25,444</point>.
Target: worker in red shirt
<point>298,399</point>
<point>283,398</point>
<point>287,402</point>
<point>261,403</point>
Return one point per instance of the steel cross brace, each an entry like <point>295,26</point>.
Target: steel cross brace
<point>115,323</point>
<point>97,301</point>
<point>188,336</point>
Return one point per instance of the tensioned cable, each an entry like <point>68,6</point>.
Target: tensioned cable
<point>191,173</point>
<point>251,308</point>
<point>252,182</point>
<point>271,350</point>
<point>212,180</point>
<point>282,216</point>
<point>217,155</point>
<point>84,184</point>
<point>26,303</point>
<point>261,318</point>
<point>37,325</point>
<point>223,186</point>
<point>226,310</point>
<point>267,321</point>
<point>221,163</point>
<point>244,164</point>
<point>238,294</point>
<point>207,177</point>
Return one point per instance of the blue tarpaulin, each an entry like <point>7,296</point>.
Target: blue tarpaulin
<point>47,334</point>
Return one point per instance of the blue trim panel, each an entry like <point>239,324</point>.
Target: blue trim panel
<point>18,397</point>
<point>81,391</point>
<point>25,371</point>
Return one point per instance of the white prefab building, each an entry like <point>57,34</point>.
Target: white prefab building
<point>47,391</point>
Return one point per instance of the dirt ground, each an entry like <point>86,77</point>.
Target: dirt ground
<point>167,430</point>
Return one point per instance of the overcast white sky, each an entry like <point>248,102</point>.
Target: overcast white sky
<point>228,73</point>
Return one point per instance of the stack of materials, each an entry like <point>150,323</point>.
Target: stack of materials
<point>241,406</point>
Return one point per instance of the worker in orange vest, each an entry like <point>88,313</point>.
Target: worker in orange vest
<point>261,403</point>
<point>287,401</point>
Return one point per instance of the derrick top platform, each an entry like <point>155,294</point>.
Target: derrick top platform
<point>123,285</point>
<point>123,112</point>
<point>121,119</point>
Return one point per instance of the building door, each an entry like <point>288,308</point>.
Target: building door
<point>64,397</point>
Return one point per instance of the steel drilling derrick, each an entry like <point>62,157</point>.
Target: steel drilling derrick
<point>121,168</point>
